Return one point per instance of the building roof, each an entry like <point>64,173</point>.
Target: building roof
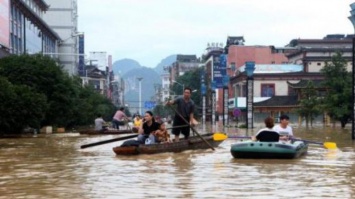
<point>304,82</point>
<point>186,58</point>
<point>329,39</point>
<point>35,19</point>
<point>239,40</point>
<point>278,101</point>
<point>42,4</point>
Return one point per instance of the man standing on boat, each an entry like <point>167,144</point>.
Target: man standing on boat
<point>185,109</point>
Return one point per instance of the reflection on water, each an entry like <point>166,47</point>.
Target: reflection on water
<point>55,167</point>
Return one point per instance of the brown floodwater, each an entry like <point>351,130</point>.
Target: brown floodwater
<point>54,166</point>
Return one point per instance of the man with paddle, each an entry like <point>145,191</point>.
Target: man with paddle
<point>184,113</point>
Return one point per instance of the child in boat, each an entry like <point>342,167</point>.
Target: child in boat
<point>159,136</point>
<point>162,134</point>
<point>137,122</point>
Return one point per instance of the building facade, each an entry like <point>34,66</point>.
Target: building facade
<point>67,28</point>
<point>23,29</point>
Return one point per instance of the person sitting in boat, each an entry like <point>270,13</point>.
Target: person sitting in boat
<point>284,129</point>
<point>159,136</point>
<point>137,122</point>
<point>100,123</point>
<point>267,134</point>
<point>148,126</point>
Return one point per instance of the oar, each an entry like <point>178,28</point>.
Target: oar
<point>193,129</point>
<point>240,137</point>
<point>174,127</point>
<point>327,145</point>
<point>107,141</point>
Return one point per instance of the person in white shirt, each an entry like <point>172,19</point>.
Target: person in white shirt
<point>283,128</point>
<point>99,123</point>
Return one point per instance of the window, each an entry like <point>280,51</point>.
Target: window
<point>267,90</point>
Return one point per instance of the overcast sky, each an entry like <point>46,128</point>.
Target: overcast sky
<point>150,30</point>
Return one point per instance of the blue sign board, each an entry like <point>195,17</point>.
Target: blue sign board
<point>219,69</point>
<point>203,89</point>
<point>149,104</point>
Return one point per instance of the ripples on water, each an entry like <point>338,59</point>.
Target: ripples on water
<point>55,167</point>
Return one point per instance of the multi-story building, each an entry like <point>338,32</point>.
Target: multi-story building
<point>182,64</point>
<point>117,93</point>
<point>236,56</point>
<point>23,29</point>
<point>71,46</point>
<point>282,89</point>
<point>166,92</point>
<point>313,53</point>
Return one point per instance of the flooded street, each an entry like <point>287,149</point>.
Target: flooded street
<point>54,166</point>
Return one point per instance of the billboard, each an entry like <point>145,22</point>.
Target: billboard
<point>5,23</point>
<point>219,69</point>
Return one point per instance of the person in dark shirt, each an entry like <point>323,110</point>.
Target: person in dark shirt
<point>148,126</point>
<point>185,108</point>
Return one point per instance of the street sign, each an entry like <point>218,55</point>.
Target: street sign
<point>149,104</point>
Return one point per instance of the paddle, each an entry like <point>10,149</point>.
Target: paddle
<point>107,141</point>
<point>327,145</point>
<point>219,136</point>
<point>193,129</point>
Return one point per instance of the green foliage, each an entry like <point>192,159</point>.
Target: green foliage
<point>20,107</point>
<point>310,105</point>
<point>37,85</point>
<point>191,79</point>
<point>338,102</point>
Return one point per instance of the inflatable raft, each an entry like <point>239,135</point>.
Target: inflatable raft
<point>266,150</point>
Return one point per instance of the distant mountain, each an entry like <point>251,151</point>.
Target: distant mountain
<point>150,78</point>
<point>124,65</point>
<point>165,62</point>
<point>130,70</point>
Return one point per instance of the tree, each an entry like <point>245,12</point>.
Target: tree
<point>338,101</point>
<point>309,103</point>
<point>20,107</point>
<point>42,74</point>
<point>192,79</point>
<point>65,101</point>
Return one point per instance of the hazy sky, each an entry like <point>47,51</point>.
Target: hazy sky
<point>150,30</point>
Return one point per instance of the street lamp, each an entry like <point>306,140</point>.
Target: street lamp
<point>213,88</point>
<point>183,86</point>
<point>249,68</point>
<point>225,98</point>
<point>352,19</point>
<point>203,93</point>
<point>140,94</point>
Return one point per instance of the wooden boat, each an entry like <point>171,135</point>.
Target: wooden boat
<point>192,143</point>
<point>106,132</point>
<point>269,150</point>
